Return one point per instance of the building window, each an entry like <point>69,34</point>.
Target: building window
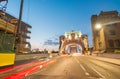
<point>111,43</point>
<point>115,24</point>
<point>112,32</point>
<point>117,42</point>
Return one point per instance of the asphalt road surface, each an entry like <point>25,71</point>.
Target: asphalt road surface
<point>70,67</point>
<point>78,67</point>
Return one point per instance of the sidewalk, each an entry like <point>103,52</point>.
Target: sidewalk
<point>108,57</point>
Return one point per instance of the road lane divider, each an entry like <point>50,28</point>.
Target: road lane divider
<point>24,73</point>
<point>99,75</point>
<point>86,73</point>
<point>102,77</point>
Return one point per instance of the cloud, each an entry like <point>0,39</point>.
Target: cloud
<point>51,42</point>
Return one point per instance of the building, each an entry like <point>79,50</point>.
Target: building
<point>107,36</point>
<point>73,42</point>
<point>9,24</point>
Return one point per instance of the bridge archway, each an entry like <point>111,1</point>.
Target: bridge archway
<point>73,48</point>
<point>73,42</point>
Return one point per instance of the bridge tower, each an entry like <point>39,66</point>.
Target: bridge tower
<point>73,42</point>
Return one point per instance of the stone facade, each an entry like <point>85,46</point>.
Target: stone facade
<point>108,36</point>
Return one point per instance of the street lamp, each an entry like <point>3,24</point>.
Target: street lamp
<point>98,26</point>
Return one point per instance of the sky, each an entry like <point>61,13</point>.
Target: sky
<point>51,18</point>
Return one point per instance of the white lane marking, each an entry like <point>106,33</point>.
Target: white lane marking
<point>103,77</point>
<point>41,66</point>
<point>82,67</point>
<point>86,73</point>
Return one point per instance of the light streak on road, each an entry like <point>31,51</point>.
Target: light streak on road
<point>22,74</point>
<point>18,66</point>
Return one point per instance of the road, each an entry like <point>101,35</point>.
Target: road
<point>78,67</point>
<point>73,67</point>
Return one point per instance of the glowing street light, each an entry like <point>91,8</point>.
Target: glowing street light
<point>98,26</point>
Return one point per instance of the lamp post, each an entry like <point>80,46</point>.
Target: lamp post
<point>98,28</point>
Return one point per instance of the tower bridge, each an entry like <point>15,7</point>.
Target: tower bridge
<point>73,42</point>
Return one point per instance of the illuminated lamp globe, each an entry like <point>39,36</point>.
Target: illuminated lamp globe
<point>98,26</point>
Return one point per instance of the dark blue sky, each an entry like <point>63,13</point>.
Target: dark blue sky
<point>51,18</point>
